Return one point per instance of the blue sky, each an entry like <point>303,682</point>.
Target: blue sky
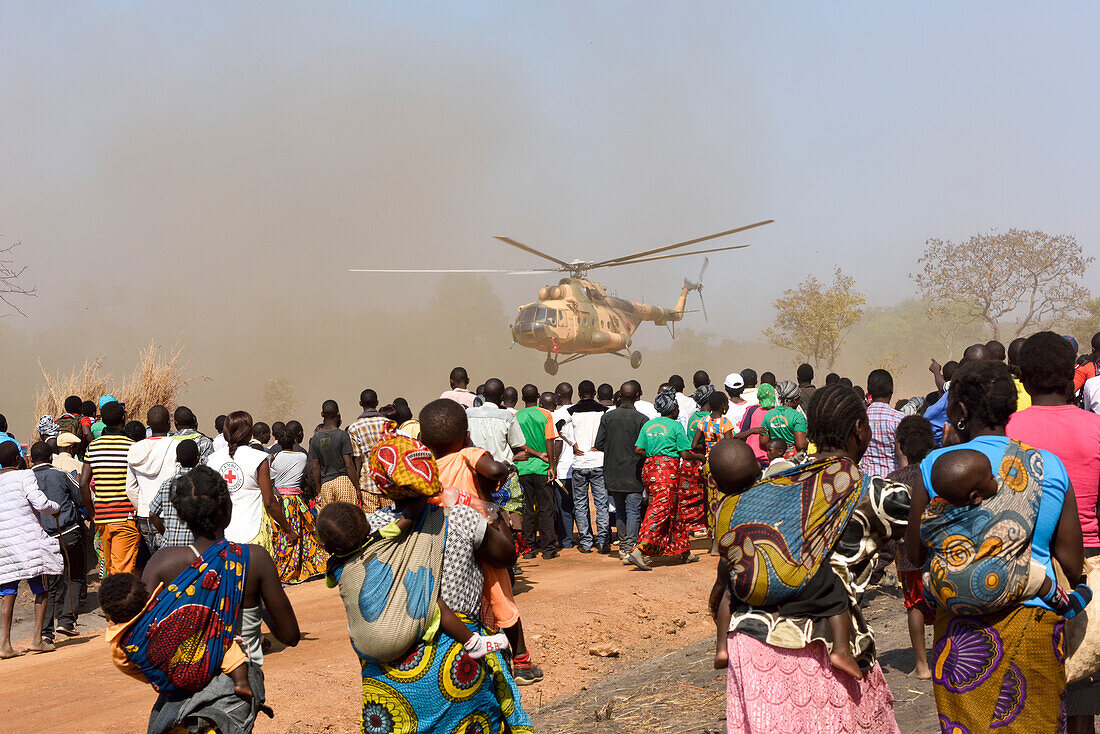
<point>265,148</point>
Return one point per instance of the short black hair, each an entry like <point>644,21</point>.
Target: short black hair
<point>122,596</point>
<point>458,374</point>
<point>880,384</point>
<point>219,423</point>
<point>677,383</point>
<point>996,350</point>
<point>9,454</point>
<point>749,376</point>
<point>72,404</point>
<point>768,378</point>
<point>443,422</point>
<point>134,430</point>
<point>259,428</point>
<point>3,423</point>
<point>846,382</point>
<point>832,415</point>
<point>40,452</point>
<point>368,399</point>
<point>1096,342</point>
<point>112,414</point>
<point>1014,351</point>
<point>700,378</point>
<point>805,373</point>
<point>605,391</point>
<point>1046,362</point>
<point>184,417</point>
<point>949,370</point>
<point>328,408</point>
<point>914,437</point>
<point>530,393</point>
<point>987,390</point>
<point>564,390</point>
<point>87,409</point>
<point>586,389</point>
<point>832,378</point>
<point>187,453</point>
<point>342,528</point>
<point>201,499</point>
<point>404,412</point>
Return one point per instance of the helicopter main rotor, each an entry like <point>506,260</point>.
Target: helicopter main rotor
<point>579,268</point>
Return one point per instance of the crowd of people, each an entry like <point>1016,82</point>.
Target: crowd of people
<point>982,492</point>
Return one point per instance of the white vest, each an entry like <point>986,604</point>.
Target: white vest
<point>241,472</point>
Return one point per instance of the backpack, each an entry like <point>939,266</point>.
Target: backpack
<point>390,587</point>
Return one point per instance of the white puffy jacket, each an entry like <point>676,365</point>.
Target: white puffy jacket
<point>25,549</point>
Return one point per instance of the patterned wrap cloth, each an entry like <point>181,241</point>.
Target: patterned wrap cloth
<point>180,641</point>
<point>303,559</point>
<point>663,531</point>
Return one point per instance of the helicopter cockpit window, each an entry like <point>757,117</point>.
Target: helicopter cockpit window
<point>527,314</point>
<point>551,317</point>
<point>540,315</point>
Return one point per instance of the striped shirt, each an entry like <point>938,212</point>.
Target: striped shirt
<point>107,457</point>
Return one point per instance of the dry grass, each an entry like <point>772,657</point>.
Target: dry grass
<point>157,379</point>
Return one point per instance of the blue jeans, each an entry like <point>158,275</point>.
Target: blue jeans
<point>583,481</point>
<point>564,524</point>
<point>628,518</point>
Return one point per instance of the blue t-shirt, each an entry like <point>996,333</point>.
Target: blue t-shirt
<point>5,437</point>
<point>937,416</point>
<point>1055,485</point>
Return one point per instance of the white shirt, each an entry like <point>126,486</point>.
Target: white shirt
<point>749,396</point>
<point>496,430</point>
<point>219,442</point>
<point>736,414</point>
<point>287,468</point>
<point>241,473</point>
<point>150,462</point>
<point>687,408</point>
<point>565,430</point>
<point>1091,394</point>
<point>585,422</point>
<point>646,408</point>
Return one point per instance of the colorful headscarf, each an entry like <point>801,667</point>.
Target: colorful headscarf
<point>402,467</point>
<point>47,426</point>
<point>766,395</point>
<point>665,402</point>
<point>788,390</point>
<point>702,395</point>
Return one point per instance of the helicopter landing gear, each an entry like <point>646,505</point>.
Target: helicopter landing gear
<point>636,360</point>
<point>551,366</point>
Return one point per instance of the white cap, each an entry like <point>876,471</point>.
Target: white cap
<point>734,380</point>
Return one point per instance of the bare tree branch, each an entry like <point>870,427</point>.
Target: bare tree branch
<point>11,289</point>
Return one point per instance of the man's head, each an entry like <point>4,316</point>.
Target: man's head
<point>330,410</point>
<point>494,391</point>
<point>1014,351</point>
<point>277,429</point>
<point>637,388</point>
<point>530,394</point>
<point>480,389</point>
<point>586,390</point>
<point>880,386</point>
<point>733,466</point>
<point>509,398</point>
<point>749,376</point>
<point>87,409</point>
<point>158,419</point>
<point>368,400</point>
<point>41,453</point>
<point>949,370</point>
<point>3,423</point>
<point>459,378</point>
<point>564,391</point>
<point>184,418</point>
<point>832,379</point>
<point>976,353</point>
<point>805,374</point>
<point>219,423</point>
<point>9,454</point>
<point>1096,343</point>
<point>187,454</point>
<point>700,378</point>
<point>768,378</point>
<point>113,415</point>
<point>261,432</point>
<point>676,382</point>
<point>605,393</point>
<point>775,448</point>
<point>443,426</point>
<point>734,384</point>
<point>995,350</point>
<point>297,429</point>
<point>547,401</point>
<point>72,404</point>
<point>1046,364</point>
<point>628,393</point>
<point>914,438</point>
<point>963,477</point>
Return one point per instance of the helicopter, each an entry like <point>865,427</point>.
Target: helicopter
<point>577,317</point>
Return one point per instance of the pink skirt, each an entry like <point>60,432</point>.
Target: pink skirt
<point>773,689</point>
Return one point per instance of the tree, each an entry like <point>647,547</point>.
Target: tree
<point>11,286</point>
<point>280,402</point>
<point>1029,277</point>
<point>811,320</point>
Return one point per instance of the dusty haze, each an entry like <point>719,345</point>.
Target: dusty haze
<point>212,175</point>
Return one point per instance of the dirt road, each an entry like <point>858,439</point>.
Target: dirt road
<point>570,605</point>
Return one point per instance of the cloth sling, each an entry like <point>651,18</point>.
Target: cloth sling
<point>179,643</point>
<point>776,535</point>
<point>390,587</point>
<point>980,557</point>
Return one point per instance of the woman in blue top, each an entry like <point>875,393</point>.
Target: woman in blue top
<point>1005,669</point>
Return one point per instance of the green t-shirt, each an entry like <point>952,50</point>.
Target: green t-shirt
<point>693,422</point>
<point>97,429</point>
<point>783,421</point>
<point>538,428</point>
<point>663,436</point>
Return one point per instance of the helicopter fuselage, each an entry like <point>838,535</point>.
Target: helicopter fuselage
<point>576,316</point>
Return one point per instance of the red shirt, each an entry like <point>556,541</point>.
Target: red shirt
<point>1073,435</point>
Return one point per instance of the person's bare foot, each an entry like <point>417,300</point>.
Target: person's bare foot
<point>923,672</point>
<point>713,548</point>
<point>721,660</point>
<point>9,652</point>
<point>846,662</point>
<point>41,645</point>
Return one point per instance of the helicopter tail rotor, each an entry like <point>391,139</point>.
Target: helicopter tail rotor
<point>698,287</point>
